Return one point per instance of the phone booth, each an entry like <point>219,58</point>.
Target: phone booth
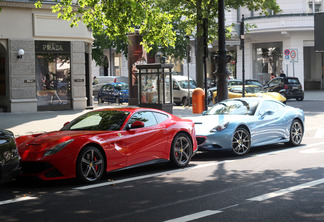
<point>155,86</point>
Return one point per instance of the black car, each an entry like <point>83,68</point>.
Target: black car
<point>289,87</point>
<point>9,157</point>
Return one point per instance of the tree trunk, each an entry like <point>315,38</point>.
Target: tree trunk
<point>200,47</point>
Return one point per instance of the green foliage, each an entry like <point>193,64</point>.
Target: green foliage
<point>164,24</point>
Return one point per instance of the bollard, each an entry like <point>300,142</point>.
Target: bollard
<point>198,100</point>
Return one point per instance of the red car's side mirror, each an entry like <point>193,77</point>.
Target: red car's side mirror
<point>137,124</point>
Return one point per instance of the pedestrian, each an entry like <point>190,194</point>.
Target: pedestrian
<point>272,75</point>
<point>95,81</point>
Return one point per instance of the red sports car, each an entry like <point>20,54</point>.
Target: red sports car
<point>107,140</point>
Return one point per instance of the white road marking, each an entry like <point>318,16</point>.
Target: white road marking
<point>19,199</point>
<point>313,150</point>
<point>195,216</point>
<point>287,190</point>
<point>319,133</point>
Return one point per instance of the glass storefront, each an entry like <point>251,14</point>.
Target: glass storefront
<point>267,59</point>
<point>53,75</point>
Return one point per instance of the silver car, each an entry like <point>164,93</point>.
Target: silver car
<point>242,123</point>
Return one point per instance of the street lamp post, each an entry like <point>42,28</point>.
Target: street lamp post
<point>243,60</point>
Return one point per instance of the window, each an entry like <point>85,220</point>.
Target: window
<point>267,59</point>
<point>269,105</point>
<point>53,75</point>
<point>314,5</point>
<point>160,117</point>
<point>146,117</point>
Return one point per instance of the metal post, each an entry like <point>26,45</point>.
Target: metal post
<point>205,23</point>
<point>188,50</point>
<point>243,57</point>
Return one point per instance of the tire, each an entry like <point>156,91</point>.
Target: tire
<point>181,150</point>
<point>241,142</point>
<point>284,95</point>
<point>185,101</point>
<point>300,98</point>
<point>296,133</point>
<point>90,165</point>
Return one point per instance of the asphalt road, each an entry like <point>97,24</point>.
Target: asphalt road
<point>271,183</point>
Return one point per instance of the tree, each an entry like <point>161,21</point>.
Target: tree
<point>194,12</point>
<point>164,24</point>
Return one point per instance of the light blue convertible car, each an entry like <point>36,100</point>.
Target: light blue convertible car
<point>242,123</point>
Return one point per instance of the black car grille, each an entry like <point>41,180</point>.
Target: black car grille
<point>30,168</point>
<point>200,140</point>
<point>35,167</point>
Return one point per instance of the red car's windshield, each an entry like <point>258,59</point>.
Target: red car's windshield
<point>98,121</point>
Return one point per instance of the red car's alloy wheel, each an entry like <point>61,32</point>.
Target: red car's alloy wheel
<point>181,150</point>
<point>90,164</point>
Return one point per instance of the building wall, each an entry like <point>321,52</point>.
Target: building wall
<point>294,28</point>
<point>21,24</point>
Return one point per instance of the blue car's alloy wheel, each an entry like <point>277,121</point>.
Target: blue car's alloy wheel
<point>241,142</point>
<point>296,133</point>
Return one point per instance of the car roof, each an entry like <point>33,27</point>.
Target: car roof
<point>131,109</point>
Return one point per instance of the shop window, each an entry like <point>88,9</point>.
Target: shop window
<point>267,60</point>
<point>53,75</point>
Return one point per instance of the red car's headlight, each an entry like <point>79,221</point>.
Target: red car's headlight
<point>57,148</point>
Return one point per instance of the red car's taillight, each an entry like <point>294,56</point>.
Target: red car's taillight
<point>285,86</point>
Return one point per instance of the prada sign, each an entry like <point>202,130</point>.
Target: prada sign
<point>52,47</point>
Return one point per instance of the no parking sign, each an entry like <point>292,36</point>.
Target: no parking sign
<point>291,54</point>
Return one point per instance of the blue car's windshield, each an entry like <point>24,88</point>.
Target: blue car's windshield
<point>234,107</point>
<point>121,86</point>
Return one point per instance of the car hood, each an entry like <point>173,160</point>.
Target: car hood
<point>46,141</point>
<point>204,123</point>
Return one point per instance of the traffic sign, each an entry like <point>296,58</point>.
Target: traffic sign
<point>293,55</point>
<point>287,52</point>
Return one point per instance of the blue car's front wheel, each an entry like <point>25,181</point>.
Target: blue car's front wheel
<point>241,142</point>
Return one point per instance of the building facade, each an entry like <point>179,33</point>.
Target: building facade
<point>283,43</point>
<point>44,63</point>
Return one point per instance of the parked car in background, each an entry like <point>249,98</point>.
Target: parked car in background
<point>253,82</point>
<point>233,82</point>
<point>99,81</point>
<point>114,92</point>
<point>9,157</point>
<point>238,124</point>
<point>289,87</point>
<point>251,91</point>
<point>180,89</point>
<point>106,140</point>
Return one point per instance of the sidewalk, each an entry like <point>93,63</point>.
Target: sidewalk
<point>30,123</point>
<point>39,122</point>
